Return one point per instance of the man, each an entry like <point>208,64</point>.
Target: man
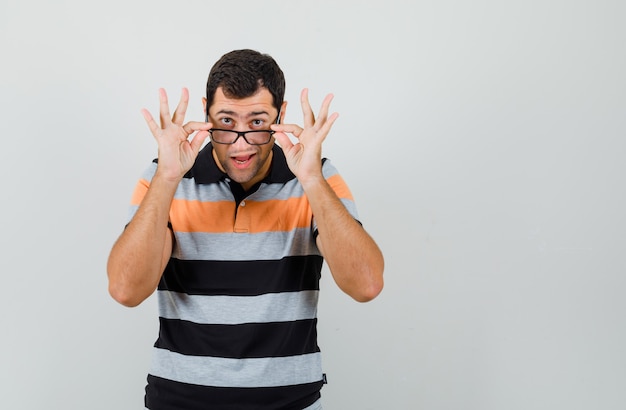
<point>232,239</point>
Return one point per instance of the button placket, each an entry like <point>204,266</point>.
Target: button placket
<point>242,219</point>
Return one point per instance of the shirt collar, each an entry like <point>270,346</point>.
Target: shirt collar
<point>206,171</point>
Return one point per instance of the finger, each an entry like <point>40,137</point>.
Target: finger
<point>324,111</point>
<point>293,129</point>
<point>307,112</point>
<point>181,109</point>
<point>324,129</point>
<point>283,141</point>
<point>194,126</point>
<point>154,128</point>
<point>164,109</point>
<point>198,140</point>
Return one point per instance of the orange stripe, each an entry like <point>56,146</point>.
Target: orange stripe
<point>340,187</point>
<point>140,192</point>
<point>254,217</point>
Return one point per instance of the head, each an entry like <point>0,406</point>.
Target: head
<point>245,92</point>
<point>241,73</point>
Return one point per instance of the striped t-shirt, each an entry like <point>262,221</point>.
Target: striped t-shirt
<point>238,300</point>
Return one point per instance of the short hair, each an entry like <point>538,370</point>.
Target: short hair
<point>241,73</point>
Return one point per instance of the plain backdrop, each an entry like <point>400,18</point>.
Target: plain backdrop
<point>484,142</point>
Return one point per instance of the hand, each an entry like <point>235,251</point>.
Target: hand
<point>177,153</point>
<point>305,157</point>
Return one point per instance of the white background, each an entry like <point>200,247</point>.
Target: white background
<point>484,142</point>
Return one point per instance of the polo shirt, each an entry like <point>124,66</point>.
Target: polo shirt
<point>238,299</point>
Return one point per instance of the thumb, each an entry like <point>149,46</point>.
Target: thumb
<point>283,140</point>
<point>198,140</point>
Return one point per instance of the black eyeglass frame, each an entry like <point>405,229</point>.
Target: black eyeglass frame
<point>242,133</point>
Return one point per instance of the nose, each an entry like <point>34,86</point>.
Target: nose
<point>241,142</point>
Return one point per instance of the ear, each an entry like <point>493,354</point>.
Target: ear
<point>283,111</point>
<point>204,108</point>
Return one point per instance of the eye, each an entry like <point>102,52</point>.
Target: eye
<point>257,123</point>
<point>226,122</point>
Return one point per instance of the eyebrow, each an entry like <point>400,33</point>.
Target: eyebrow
<point>248,115</point>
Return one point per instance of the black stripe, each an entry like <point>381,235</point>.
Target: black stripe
<point>242,278</point>
<point>251,340</point>
<point>163,394</point>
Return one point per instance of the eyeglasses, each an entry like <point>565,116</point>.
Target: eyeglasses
<point>256,137</point>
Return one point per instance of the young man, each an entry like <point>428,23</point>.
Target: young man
<point>232,237</point>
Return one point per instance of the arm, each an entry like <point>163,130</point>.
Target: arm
<point>353,257</point>
<point>142,251</point>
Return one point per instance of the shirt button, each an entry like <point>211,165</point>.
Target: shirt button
<point>243,203</point>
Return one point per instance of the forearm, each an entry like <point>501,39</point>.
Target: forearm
<point>139,256</point>
<point>354,259</point>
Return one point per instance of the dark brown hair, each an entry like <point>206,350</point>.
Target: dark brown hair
<point>241,73</point>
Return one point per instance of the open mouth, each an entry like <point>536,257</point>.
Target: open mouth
<point>242,161</point>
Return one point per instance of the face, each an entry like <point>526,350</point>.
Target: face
<point>244,163</point>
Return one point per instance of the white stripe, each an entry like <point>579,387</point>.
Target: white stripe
<point>220,372</point>
<point>233,310</point>
<point>244,246</point>
<point>315,406</point>
<point>189,190</point>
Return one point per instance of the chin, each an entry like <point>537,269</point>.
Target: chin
<point>241,177</point>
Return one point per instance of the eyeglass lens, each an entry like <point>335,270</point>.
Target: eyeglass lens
<point>251,137</point>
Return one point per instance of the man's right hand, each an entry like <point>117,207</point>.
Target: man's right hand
<point>177,153</point>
